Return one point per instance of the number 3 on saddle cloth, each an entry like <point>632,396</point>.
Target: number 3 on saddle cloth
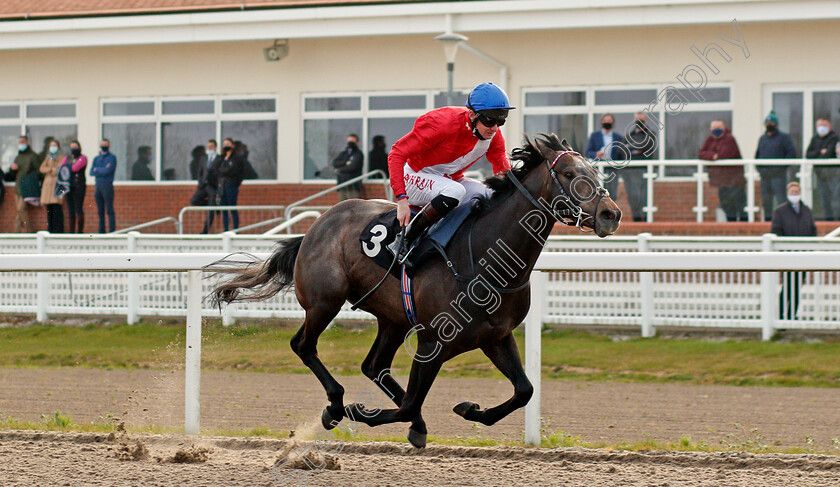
<point>383,229</point>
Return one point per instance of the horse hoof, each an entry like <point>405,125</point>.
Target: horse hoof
<point>465,408</point>
<point>327,421</point>
<point>417,439</point>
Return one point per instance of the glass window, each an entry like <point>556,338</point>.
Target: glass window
<point>51,110</point>
<point>397,102</point>
<point>134,146</point>
<point>129,108</point>
<point>569,127</point>
<point>709,95</point>
<point>625,97</point>
<point>334,104</point>
<point>555,99</point>
<point>267,105</point>
<point>685,133</point>
<point>322,141</point>
<point>459,99</point>
<point>188,107</point>
<point>261,139</point>
<point>38,135</point>
<point>392,130</point>
<point>178,140</point>
<point>10,111</point>
<point>789,108</point>
<point>623,122</point>
<point>827,105</point>
<point>8,145</point>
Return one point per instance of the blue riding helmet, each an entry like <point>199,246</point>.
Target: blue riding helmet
<point>488,96</point>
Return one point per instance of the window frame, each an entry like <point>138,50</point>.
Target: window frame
<point>217,117</point>
<point>807,90</point>
<point>23,122</point>
<point>589,108</point>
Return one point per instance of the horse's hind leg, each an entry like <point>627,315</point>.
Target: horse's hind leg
<point>304,344</point>
<point>505,356</point>
<point>377,367</point>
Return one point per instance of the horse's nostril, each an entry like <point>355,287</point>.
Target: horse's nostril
<point>608,215</point>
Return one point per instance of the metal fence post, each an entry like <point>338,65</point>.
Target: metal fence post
<point>533,354</point>
<point>768,293</point>
<point>646,296</point>
<point>43,281</point>
<point>133,284</point>
<point>228,312</point>
<point>192,369</point>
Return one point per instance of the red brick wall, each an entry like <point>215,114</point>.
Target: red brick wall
<point>138,204</point>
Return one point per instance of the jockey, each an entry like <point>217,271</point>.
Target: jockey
<point>427,165</point>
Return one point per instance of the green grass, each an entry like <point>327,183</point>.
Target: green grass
<point>576,355</point>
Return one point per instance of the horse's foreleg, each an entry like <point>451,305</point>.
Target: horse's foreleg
<point>376,367</point>
<point>304,344</point>
<point>505,356</point>
<point>420,380</point>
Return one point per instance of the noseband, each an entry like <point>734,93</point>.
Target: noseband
<point>572,214</point>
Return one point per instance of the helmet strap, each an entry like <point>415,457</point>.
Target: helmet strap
<point>474,125</point>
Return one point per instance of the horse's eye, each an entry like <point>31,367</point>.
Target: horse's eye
<point>568,175</point>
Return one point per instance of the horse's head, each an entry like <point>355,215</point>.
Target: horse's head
<point>574,187</point>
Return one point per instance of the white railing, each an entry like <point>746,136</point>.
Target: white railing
<point>701,178</point>
<point>765,262</point>
<point>619,297</point>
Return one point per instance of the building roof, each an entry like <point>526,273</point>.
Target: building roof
<point>42,9</point>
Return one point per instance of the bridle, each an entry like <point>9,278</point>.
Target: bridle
<point>572,214</point>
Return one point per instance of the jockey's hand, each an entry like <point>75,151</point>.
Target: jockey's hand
<point>403,212</point>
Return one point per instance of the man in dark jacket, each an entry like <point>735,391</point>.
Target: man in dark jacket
<point>26,162</point>
<point>720,145</point>
<point>824,146</point>
<point>792,219</point>
<point>207,173</point>
<point>607,145</point>
<point>348,165</point>
<point>378,156</point>
<point>140,170</point>
<point>774,144</point>
<point>231,170</point>
<point>641,142</point>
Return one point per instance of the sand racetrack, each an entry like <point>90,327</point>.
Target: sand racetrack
<point>608,412</point>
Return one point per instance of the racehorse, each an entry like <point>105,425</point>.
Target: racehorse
<point>456,312</point>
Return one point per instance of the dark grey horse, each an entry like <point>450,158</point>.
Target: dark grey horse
<point>495,255</point>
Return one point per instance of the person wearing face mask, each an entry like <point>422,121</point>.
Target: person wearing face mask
<point>103,168</point>
<point>720,145</point>
<point>25,164</point>
<point>49,168</point>
<point>348,165</point>
<point>774,144</point>
<point>824,146</point>
<point>207,174</point>
<point>78,187</point>
<point>231,171</point>
<point>792,219</point>
<point>607,145</point>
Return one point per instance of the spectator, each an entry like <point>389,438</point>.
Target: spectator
<point>773,145</point>
<point>230,178</point>
<point>46,149</point>
<point>641,142</point>
<point>49,168</point>
<point>26,186</point>
<point>378,156</point>
<point>720,145</point>
<point>348,165</point>
<point>605,145</point>
<point>104,166</point>
<point>824,146</point>
<point>197,154</point>
<point>140,169</point>
<point>78,187</point>
<point>792,219</point>
<point>206,193</point>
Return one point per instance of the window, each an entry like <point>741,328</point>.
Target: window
<point>168,135</point>
<point>39,120</point>
<point>789,108</point>
<point>574,113</point>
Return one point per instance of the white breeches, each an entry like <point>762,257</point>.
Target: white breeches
<point>421,187</point>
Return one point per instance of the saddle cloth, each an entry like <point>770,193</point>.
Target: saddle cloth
<point>382,230</point>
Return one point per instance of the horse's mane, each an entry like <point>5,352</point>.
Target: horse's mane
<point>528,158</point>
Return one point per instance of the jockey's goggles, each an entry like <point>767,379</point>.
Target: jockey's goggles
<point>489,121</point>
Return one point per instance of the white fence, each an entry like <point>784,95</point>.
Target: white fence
<point>647,262</point>
<point>731,298</point>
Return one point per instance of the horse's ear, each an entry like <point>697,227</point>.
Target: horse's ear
<point>566,145</point>
<point>543,145</point>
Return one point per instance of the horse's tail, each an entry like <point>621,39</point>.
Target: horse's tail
<point>257,280</point>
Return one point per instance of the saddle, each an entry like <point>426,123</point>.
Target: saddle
<point>383,229</point>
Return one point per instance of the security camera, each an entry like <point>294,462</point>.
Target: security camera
<point>278,51</point>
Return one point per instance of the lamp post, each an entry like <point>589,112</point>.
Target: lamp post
<point>450,48</point>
